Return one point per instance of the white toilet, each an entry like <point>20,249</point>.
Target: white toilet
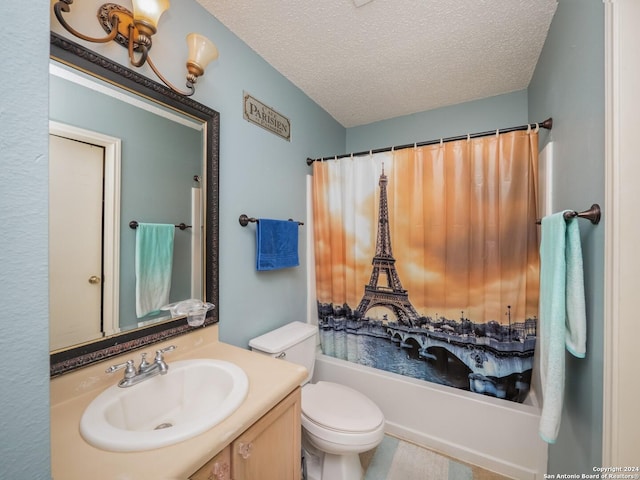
<point>338,422</point>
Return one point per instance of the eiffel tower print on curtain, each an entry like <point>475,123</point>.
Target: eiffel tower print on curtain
<point>384,288</point>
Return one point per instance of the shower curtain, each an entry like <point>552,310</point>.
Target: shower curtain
<point>427,264</point>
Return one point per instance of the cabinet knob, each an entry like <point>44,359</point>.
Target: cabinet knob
<point>245,450</point>
<point>220,471</point>
<point>94,280</point>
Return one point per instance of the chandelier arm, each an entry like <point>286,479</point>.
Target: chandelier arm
<point>63,6</point>
<point>141,45</point>
<point>190,86</point>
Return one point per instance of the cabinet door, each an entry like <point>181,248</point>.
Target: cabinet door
<point>218,468</point>
<point>270,448</point>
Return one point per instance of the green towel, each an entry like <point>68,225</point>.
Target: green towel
<point>153,263</point>
<point>562,313</point>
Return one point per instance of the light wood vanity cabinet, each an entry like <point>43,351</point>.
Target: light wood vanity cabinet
<point>268,450</point>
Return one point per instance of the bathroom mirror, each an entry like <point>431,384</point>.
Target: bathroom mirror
<point>202,126</point>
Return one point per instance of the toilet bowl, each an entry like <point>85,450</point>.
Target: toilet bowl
<point>338,422</point>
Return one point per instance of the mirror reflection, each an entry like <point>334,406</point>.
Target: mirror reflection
<point>118,158</point>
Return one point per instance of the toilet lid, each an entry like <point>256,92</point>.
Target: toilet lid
<point>340,408</point>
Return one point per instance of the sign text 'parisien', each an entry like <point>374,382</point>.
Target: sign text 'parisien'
<point>266,117</point>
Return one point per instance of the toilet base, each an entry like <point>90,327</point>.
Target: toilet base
<point>342,467</point>
<point>313,466</point>
<point>326,466</point>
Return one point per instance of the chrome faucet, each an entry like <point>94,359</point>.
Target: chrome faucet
<point>145,369</point>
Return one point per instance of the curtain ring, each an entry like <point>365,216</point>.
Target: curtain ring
<point>537,127</point>
<point>497,132</point>
<point>441,141</point>
<point>468,137</point>
<point>528,129</point>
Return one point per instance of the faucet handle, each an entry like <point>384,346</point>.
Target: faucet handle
<point>159,353</point>
<point>129,372</point>
<point>159,360</point>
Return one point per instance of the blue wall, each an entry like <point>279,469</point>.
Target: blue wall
<point>502,111</point>
<point>24,342</point>
<point>568,84</point>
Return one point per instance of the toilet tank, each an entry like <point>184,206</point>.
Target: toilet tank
<point>294,342</point>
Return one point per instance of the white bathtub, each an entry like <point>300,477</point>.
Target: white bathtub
<point>498,435</point>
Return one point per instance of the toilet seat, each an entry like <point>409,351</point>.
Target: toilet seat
<point>340,412</point>
<point>340,408</point>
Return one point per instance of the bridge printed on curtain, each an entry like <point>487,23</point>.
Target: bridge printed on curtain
<point>457,303</point>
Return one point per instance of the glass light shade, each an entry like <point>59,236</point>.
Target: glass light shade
<point>201,50</point>
<point>149,11</point>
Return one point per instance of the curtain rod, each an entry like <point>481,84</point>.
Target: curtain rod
<point>547,124</point>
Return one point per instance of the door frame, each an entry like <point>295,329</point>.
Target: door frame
<point>111,227</point>
<point>620,416</point>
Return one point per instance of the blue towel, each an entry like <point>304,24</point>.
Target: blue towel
<point>276,244</point>
<point>562,313</point>
<point>154,262</point>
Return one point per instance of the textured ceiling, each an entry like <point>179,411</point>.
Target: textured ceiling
<point>390,58</point>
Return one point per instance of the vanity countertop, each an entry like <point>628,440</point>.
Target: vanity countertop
<point>72,458</point>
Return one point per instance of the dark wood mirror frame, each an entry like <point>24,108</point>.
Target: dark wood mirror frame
<point>85,60</point>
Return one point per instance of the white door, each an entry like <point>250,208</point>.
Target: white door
<point>621,422</point>
<point>75,241</point>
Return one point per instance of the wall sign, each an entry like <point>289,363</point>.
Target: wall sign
<point>266,117</point>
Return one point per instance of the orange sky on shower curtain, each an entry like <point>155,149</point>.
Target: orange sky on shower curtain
<point>462,220</point>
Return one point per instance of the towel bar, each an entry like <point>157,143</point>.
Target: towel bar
<point>133,224</point>
<point>244,220</point>
<point>593,214</point>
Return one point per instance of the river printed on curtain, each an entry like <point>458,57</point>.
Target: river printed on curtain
<point>455,301</point>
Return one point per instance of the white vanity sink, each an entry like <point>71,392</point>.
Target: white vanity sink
<point>192,397</point>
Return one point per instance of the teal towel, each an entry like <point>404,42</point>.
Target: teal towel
<point>276,244</point>
<point>154,262</point>
<point>562,313</point>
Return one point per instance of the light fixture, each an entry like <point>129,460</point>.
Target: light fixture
<point>134,31</point>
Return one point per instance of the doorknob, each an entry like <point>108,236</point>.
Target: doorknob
<point>94,280</point>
